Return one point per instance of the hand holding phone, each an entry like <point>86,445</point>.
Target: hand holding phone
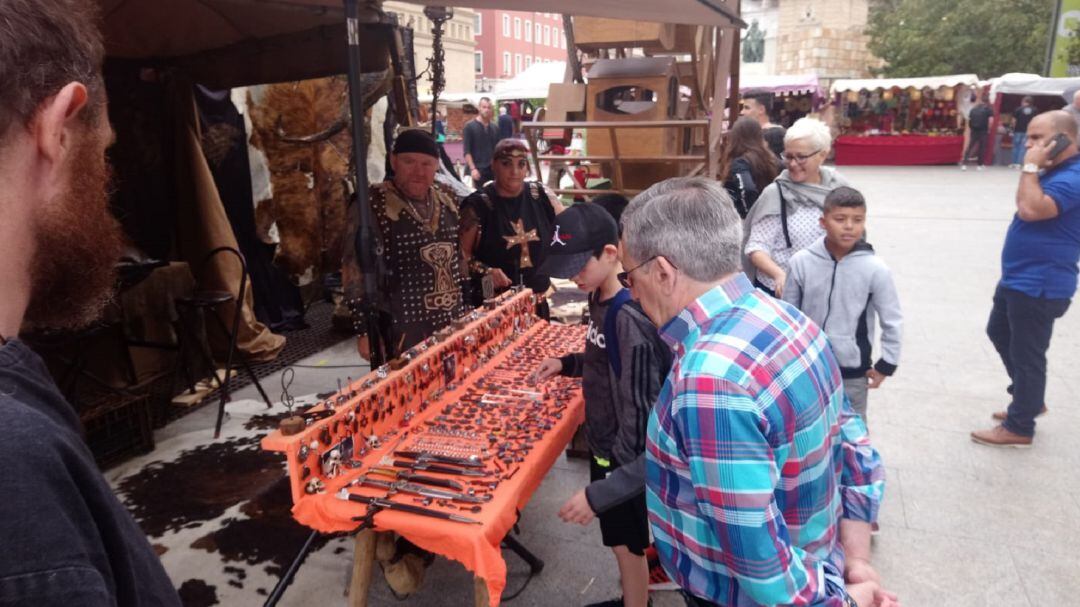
<point>1057,144</point>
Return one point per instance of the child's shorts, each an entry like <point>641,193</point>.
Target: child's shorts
<point>626,524</point>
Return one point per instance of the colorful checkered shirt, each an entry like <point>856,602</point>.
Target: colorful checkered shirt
<point>754,453</point>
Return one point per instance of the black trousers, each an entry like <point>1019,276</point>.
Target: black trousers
<point>1020,327</point>
<point>978,143</point>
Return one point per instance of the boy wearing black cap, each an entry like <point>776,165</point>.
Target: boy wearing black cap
<point>622,369</point>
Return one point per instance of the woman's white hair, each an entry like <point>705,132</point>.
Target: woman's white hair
<point>812,129</point>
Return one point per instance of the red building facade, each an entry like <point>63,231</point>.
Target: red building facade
<point>509,42</point>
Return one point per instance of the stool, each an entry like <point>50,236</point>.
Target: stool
<point>198,304</point>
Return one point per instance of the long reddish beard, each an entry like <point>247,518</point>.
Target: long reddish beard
<point>78,244</point>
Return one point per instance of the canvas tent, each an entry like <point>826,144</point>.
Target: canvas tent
<point>532,83</point>
<point>238,42</point>
<point>1032,84</point>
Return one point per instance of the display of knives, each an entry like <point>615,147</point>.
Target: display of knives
<point>385,504</point>
<point>428,466</point>
<point>415,489</point>
<point>468,462</point>
<point>405,475</point>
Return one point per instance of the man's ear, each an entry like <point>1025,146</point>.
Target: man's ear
<point>56,121</point>
<point>821,221</point>
<point>612,252</point>
<point>666,274</point>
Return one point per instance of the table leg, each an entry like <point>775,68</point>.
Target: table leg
<point>481,592</point>
<point>363,562</point>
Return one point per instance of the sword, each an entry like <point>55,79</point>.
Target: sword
<point>417,478</point>
<point>385,504</point>
<point>432,467</point>
<point>407,487</point>
<point>468,462</point>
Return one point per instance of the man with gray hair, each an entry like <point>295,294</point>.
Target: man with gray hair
<point>753,402</point>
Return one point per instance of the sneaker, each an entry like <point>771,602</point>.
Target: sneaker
<point>1000,416</point>
<point>963,167</point>
<point>612,603</point>
<point>999,436</point>
<point>658,578</point>
<point>979,168</point>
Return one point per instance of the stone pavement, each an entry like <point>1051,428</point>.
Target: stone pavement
<point>962,524</point>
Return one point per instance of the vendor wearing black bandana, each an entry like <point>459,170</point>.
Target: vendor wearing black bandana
<point>506,226</point>
<point>420,274</point>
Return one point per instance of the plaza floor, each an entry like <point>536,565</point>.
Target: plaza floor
<point>962,524</point>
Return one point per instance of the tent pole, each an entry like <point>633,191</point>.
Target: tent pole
<point>366,239</point>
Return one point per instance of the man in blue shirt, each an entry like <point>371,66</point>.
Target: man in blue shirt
<point>1038,273</point>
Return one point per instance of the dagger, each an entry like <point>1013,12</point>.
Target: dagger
<point>385,504</point>
<point>468,462</point>
<point>407,487</point>
<point>431,467</point>
<point>417,478</point>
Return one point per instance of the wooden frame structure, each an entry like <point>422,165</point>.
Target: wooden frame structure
<point>616,160</point>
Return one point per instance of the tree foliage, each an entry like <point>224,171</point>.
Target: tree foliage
<point>940,37</point>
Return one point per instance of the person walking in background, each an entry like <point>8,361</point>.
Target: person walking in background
<point>787,216</point>
<point>978,133</point>
<point>506,123</point>
<point>846,289</point>
<point>1038,273</point>
<point>480,136</point>
<point>747,166</point>
<point>759,106</point>
<point>1021,118</point>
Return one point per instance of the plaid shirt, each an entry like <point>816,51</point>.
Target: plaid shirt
<point>754,454</point>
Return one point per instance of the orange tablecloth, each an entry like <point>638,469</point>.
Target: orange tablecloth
<point>477,547</point>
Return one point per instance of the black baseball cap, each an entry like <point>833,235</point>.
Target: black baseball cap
<point>580,232</point>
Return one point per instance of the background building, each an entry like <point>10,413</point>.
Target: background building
<point>508,42</point>
<point>823,37</point>
<point>458,42</point>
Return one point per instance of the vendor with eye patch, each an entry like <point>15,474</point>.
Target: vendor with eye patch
<point>506,226</point>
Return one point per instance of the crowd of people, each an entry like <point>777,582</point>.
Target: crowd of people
<point>725,372</point>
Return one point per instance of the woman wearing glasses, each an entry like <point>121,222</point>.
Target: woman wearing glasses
<point>506,226</point>
<point>785,218</point>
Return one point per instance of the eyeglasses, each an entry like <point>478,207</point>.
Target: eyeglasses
<point>624,277</point>
<point>799,158</point>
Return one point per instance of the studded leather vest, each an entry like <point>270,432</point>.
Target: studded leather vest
<point>423,261</point>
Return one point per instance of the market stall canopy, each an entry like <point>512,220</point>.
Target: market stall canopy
<point>532,83</point>
<point>795,84</point>
<point>237,42</point>
<point>931,82</point>
<point>455,99</point>
<point>1032,84</point>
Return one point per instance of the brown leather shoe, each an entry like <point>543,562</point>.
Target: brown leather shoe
<point>998,436</point>
<point>1001,415</point>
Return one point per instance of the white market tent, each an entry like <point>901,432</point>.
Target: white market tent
<point>931,82</point>
<point>1032,84</point>
<point>532,83</point>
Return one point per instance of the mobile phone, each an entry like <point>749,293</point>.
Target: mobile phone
<point>1061,141</point>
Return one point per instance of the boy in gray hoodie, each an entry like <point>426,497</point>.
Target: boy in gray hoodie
<point>842,286</point>
<point>622,368</point>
